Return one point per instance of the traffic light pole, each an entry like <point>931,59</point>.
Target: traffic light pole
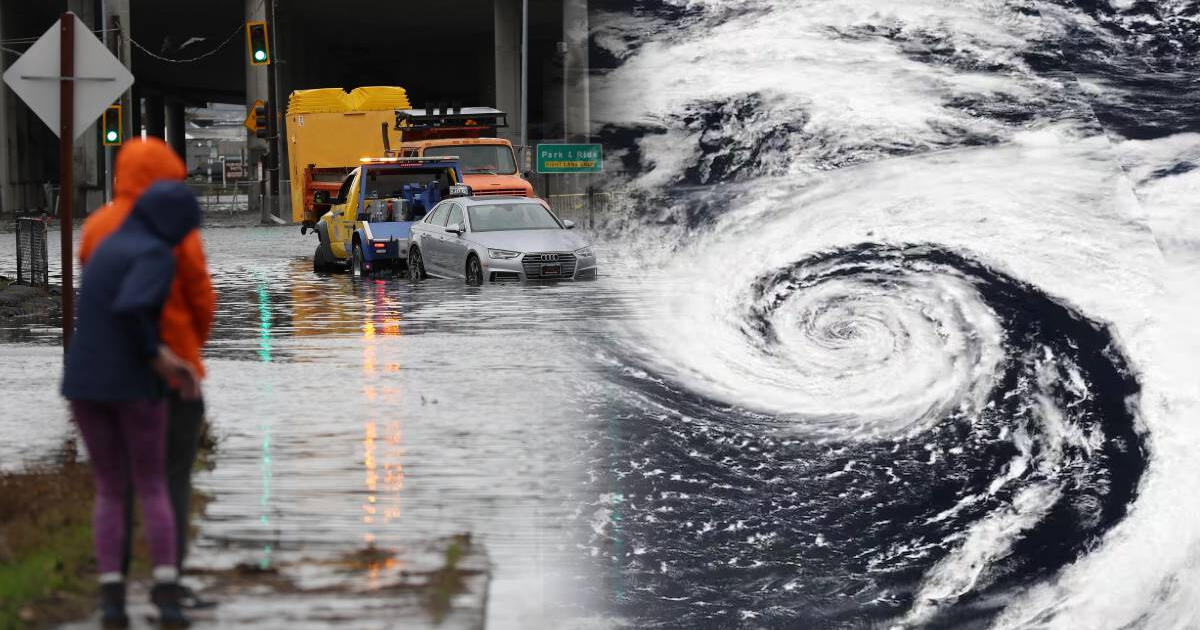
<point>276,141</point>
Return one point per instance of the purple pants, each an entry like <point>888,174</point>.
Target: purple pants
<point>127,441</point>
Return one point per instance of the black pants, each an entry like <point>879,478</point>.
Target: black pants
<point>184,423</point>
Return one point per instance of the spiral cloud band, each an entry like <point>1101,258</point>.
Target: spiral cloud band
<point>931,433</point>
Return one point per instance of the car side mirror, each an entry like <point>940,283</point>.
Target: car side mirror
<point>457,228</point>
<point>321,196</point>
<point>569,224</point>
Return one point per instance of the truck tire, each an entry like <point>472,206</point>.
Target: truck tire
<point>323,260</point>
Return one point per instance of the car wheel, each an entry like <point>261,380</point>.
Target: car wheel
<point>323,260</point>
<point>474,271</point>
<point>416,267</point>
<point>358,264</point>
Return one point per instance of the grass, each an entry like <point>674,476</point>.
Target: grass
<point>47,562</point>
<point>448,581</point>
<point>47,570</point>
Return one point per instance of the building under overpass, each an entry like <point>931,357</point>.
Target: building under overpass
<point>185,54</point>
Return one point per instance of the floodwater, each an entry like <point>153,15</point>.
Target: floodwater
<point>372,412</point>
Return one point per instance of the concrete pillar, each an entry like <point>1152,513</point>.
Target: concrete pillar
<point>507,31</point>
<point>152,115</point>
<point>118,17</point>
<point>89,151</point>
<point>115,22</point>
<point>576,110</point>
<point>176,133</point>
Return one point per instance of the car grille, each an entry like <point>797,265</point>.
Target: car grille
<point>499,192</point>
<point>532,264</point>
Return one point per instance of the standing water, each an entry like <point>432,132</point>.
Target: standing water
<point>356,413</point>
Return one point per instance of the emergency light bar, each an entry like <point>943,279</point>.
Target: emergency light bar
<point>450,117</point>
<point>413,160</point>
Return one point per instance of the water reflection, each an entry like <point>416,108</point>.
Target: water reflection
<point>264,355</point>
<point>356,413</point>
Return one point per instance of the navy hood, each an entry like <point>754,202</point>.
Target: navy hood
<point>169,210</point>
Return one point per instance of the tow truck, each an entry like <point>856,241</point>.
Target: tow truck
<point>368,223</point>
<point>488,163</point>
<point>333,134</point>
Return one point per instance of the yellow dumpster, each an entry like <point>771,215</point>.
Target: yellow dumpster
<point>328,132</point>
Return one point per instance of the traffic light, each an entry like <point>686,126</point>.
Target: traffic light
<point>110,126</point>
<point>258,43</point>
<point>262,120</point>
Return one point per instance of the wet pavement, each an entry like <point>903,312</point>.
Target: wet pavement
<point>378,413</point>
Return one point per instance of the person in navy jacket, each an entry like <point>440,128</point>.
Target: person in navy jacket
<point>116,376</point>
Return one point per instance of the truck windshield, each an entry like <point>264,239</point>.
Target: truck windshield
<point>479,159</point>
<point>511,216</point>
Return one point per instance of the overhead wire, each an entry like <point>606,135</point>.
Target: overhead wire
<point>210,53</point>
<point>138,45</point>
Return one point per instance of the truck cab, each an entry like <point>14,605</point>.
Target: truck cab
<point>489,164</point>
<point>368,223</point>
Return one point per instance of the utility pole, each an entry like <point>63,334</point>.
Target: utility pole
<point>525,77</point>
<point>274,142</point>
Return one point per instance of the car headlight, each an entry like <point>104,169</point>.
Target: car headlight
<point>586,252</point>
<point>502,254</point>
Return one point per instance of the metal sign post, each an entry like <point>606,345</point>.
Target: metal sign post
<point>68,78</point>
<point>66,170</point>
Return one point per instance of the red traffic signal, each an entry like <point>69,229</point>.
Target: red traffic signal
<point>258,43</point>
<point>110,126</point>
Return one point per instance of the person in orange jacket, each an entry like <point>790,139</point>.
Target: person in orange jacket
<point>187,316</point>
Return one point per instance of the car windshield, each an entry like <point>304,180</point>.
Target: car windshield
<point>477,159</point>
<point>511,216</point>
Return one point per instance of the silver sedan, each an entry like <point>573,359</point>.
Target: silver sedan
<point>496,239</point>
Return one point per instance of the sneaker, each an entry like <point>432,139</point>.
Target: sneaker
<point>112,606</point>
<point>166,596</point>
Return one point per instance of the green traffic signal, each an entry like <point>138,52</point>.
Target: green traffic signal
<point>258,43</point>
<point>110,125</point>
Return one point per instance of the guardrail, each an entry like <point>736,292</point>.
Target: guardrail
<point>585,208</point>
<point>230,198</point>
<point>33,266</point>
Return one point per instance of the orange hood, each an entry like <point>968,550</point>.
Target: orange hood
<point>510,184</point>
<point>142,162</point>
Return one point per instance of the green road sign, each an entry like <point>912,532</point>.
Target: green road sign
<point>569,158</point>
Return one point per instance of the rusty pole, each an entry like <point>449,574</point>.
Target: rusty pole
<point>66,171</point>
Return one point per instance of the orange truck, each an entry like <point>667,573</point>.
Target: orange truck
<point>329,132</point>
<point>488,164</point>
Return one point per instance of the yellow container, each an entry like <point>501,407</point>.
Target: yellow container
<point>331,129</point>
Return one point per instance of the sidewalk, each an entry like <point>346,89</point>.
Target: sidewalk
<point>444,586</point>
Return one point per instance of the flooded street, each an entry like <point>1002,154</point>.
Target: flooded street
<point>349,414</point>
